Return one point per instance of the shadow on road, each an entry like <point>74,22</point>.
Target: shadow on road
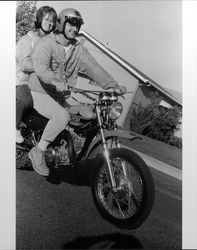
<point>74,175</point>
<point>109,241</point>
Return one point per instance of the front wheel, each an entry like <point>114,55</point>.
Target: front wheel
<point>130,203</point>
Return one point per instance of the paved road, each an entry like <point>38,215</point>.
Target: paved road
<point>55,213</point>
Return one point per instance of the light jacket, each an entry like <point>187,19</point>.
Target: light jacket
<point>24,48</point>
<point>49,50</point>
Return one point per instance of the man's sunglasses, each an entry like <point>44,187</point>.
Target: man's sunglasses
<point>74,21</point>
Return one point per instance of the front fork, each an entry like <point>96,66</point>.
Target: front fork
<point>106,152</point>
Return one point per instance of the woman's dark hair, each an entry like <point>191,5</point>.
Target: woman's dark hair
<point>41,12</point>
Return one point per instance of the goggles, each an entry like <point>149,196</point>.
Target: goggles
<point>74,21</point>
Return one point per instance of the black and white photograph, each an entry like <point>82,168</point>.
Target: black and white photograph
<point>97,126</point>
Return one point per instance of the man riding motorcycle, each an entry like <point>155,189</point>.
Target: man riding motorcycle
<point>47,84</point>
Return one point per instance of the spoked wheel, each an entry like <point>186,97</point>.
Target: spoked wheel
<point>130,203</point>
<point>22,159</point>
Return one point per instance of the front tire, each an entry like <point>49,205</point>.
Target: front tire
<point>133,200</point>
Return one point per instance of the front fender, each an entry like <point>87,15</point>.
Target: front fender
<point>120,133</point>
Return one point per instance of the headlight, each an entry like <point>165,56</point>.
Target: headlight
<point>115,110</point>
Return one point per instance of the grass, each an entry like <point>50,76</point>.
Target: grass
<point>156,149</point>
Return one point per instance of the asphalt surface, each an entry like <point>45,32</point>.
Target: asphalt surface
<point>58,213</point>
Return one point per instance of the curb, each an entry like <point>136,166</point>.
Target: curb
<point>159,165</point>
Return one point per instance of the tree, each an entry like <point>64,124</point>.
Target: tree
<point>25,17</point>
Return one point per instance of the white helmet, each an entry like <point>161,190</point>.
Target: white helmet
<point>69,15</point>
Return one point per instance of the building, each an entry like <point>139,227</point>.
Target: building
<point>138,84</point>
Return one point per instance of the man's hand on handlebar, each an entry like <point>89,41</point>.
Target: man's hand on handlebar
<point>61,86</point>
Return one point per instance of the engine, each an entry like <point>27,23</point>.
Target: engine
<point>57,155</point>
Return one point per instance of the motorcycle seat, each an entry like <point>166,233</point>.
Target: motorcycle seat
<point>80,115</point>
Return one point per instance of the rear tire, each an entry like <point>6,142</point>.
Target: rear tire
<point>22,159</point>
<point>131,205</point>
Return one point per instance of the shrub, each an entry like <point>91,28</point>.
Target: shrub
<point>164,124</point>
<point>156,121</point>
<point>175,141</point>
<point>141,117</point>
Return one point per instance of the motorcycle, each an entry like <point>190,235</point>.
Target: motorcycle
<point>122,185</point>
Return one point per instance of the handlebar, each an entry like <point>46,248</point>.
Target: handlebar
<point>86,92</point>
<point>96,92</point>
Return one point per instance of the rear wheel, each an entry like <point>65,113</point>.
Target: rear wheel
<point>22,159</point>
<point>131,203</point>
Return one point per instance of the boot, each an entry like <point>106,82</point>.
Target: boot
<point>38,161</point>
